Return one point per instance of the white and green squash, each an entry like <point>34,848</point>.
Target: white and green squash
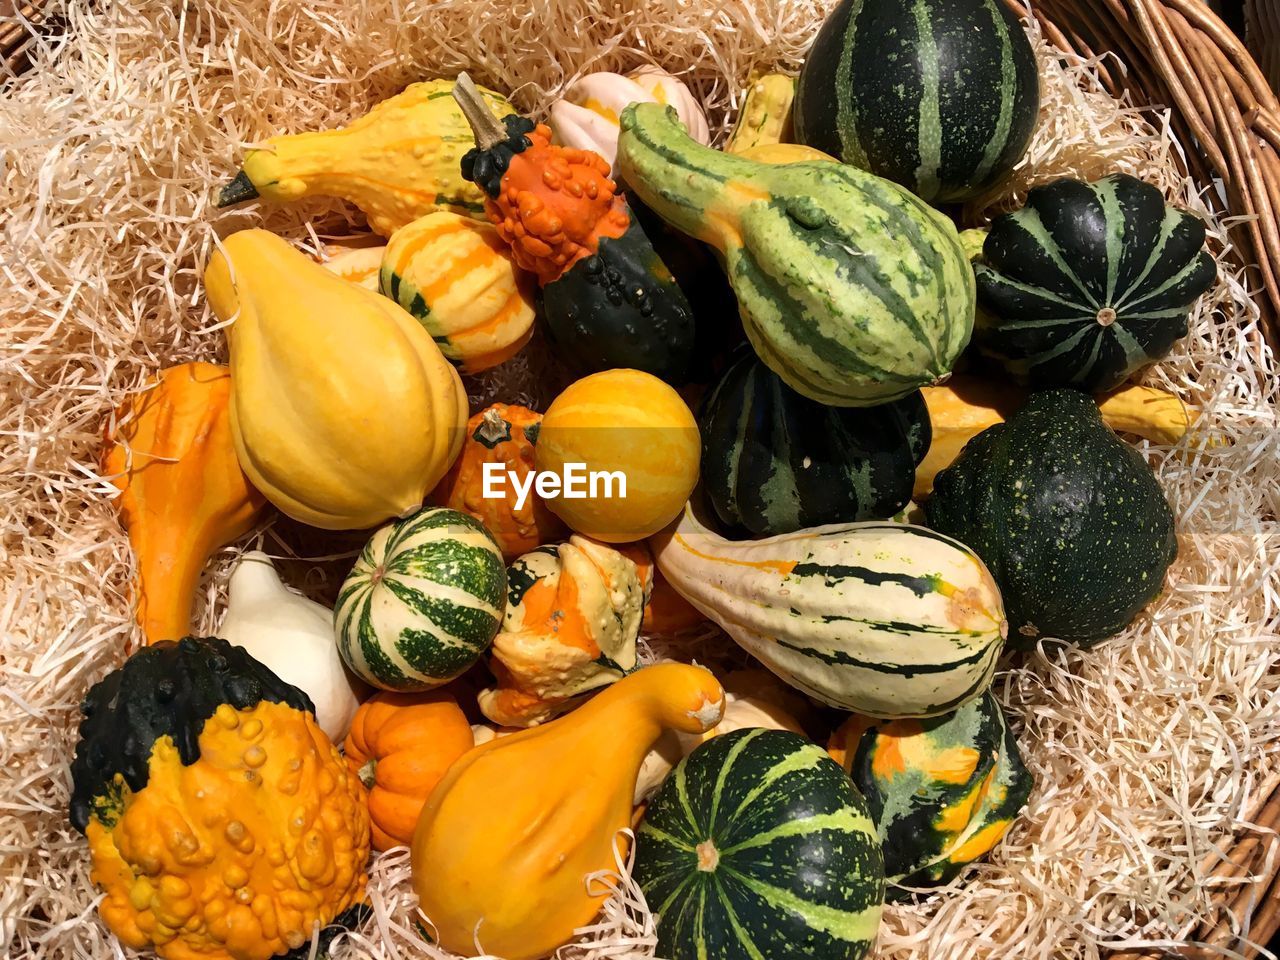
<point>423,601</point>
<point>852,290</point>
<point>884,619</point>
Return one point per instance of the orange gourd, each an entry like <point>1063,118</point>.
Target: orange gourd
<point>400,745</point>
<point>506,840</point>
<point>665,612</point>
<point>183,494</point>
<point>504,434</point>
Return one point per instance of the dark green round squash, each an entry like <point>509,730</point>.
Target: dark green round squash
<point>1089,282</point>
<point>774,461</point>
<point>940,96</point>
<point>758,845</point>
<point>1068,517</point>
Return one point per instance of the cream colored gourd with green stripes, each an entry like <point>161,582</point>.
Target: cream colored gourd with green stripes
<point>423,601</point>
<point>851,289</point>
<point>884,619</point>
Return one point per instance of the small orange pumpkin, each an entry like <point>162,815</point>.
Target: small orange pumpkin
<point>183,494</point>
<point>400,745</point>
<point>503,434</point>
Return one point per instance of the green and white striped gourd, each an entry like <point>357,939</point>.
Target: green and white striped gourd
<point>885,619</point>
<point>423,601</point>
<point>758,846</point>
<point>851,289</point>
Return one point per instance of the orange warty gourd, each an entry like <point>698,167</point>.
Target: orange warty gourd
<point>514,881</point>
<point>400,745</point>
<point>183,494</point>
<point>504,434</point>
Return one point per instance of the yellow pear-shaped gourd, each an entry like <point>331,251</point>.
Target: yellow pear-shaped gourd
<point>513,883</point>
<point>343,411</point>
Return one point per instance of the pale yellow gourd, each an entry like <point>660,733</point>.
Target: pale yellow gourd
<point>765,117</point>
<point>785,153</point>
<point>507,838</point>
<point>355,263</point>
<point>343,411</point>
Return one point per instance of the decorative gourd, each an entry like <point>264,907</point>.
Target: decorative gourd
<point>759,846</point>
<point>504,434</point>
<point>847,312</point>
<point>764,119</point>
<point>608,298</point>
<point>587,117</point>
<point>355,264</point>
<point>665,612</point>
<point>183,494</point>
<point>774,461</point>
<point>513,884</point>
<point>573,615</point>
<point>886,619</point>
<point>942,792</point>
<point>343,411</point>
<point>400,746</point>
<point>941,97</point>
<point>967,405</point>
<point>397,163</point>
<point>784,153</point>
<point>1069,518</point>
<point>422,602</point>
<point>293,637</point>
<point>1088,282</point>
<point>635,427</point>
<point>221,821</point>
<point>456,277</point>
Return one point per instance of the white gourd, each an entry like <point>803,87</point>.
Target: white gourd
<point>293,637</point>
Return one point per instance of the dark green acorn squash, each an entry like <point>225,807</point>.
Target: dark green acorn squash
<point>774,461</point>
<point>940,96</point>
<point>1089,282</point>
<point>1068,517</point>
<point>758,845</point>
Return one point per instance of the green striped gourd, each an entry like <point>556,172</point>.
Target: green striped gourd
<point>884,619</point>
<point>423,601</point>
<point>1088,282</point>
<point>850,289</point>
<point>758,846</point>
<point>940,96</point>
<point>942,791</point>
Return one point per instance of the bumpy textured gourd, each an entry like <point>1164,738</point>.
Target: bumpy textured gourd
<point>456,277</point>
<point>183,495</point>
<point>506,840</point>
<point>343,411</point>
<point>504,434</point>
<point>292,636</point>
<point>1070,519</point>
<point>1089,282</point>
<point>850,289</point>
<point>397,163</point>
<point>222,823</point>
<point>400,746</point>
<point>942,792</point>
<point>886,619</point>
<point>765,116</point>
<point>941,96</point>
<point>759,846</point>
<point>573,615</point>
<point>422,602</point>
<point>774,461</point>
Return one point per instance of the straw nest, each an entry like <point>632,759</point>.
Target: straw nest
<point>1149,751</point>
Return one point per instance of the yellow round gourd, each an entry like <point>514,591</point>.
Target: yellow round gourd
<point>629,422</point>
<point>785,153</point>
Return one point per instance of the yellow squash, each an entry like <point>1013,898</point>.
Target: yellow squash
<point>343,411</point>
<point>355,263</point>
<point>765,117</point>
<point>398,162</point>
<point>507,838</point>
<point>785,153</point>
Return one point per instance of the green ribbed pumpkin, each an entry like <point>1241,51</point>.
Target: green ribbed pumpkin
<point>423,601</point>
<point>758,846</point>
<point>851,289</point>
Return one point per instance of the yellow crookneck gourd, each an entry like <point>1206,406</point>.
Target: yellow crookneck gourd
<point>398,162</point>
<point>343,411</point>
<point>513,884</point>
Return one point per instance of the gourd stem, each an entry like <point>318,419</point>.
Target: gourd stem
<point>485,127</point>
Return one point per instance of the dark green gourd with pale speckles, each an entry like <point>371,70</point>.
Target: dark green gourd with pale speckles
<point>1069,519</point>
